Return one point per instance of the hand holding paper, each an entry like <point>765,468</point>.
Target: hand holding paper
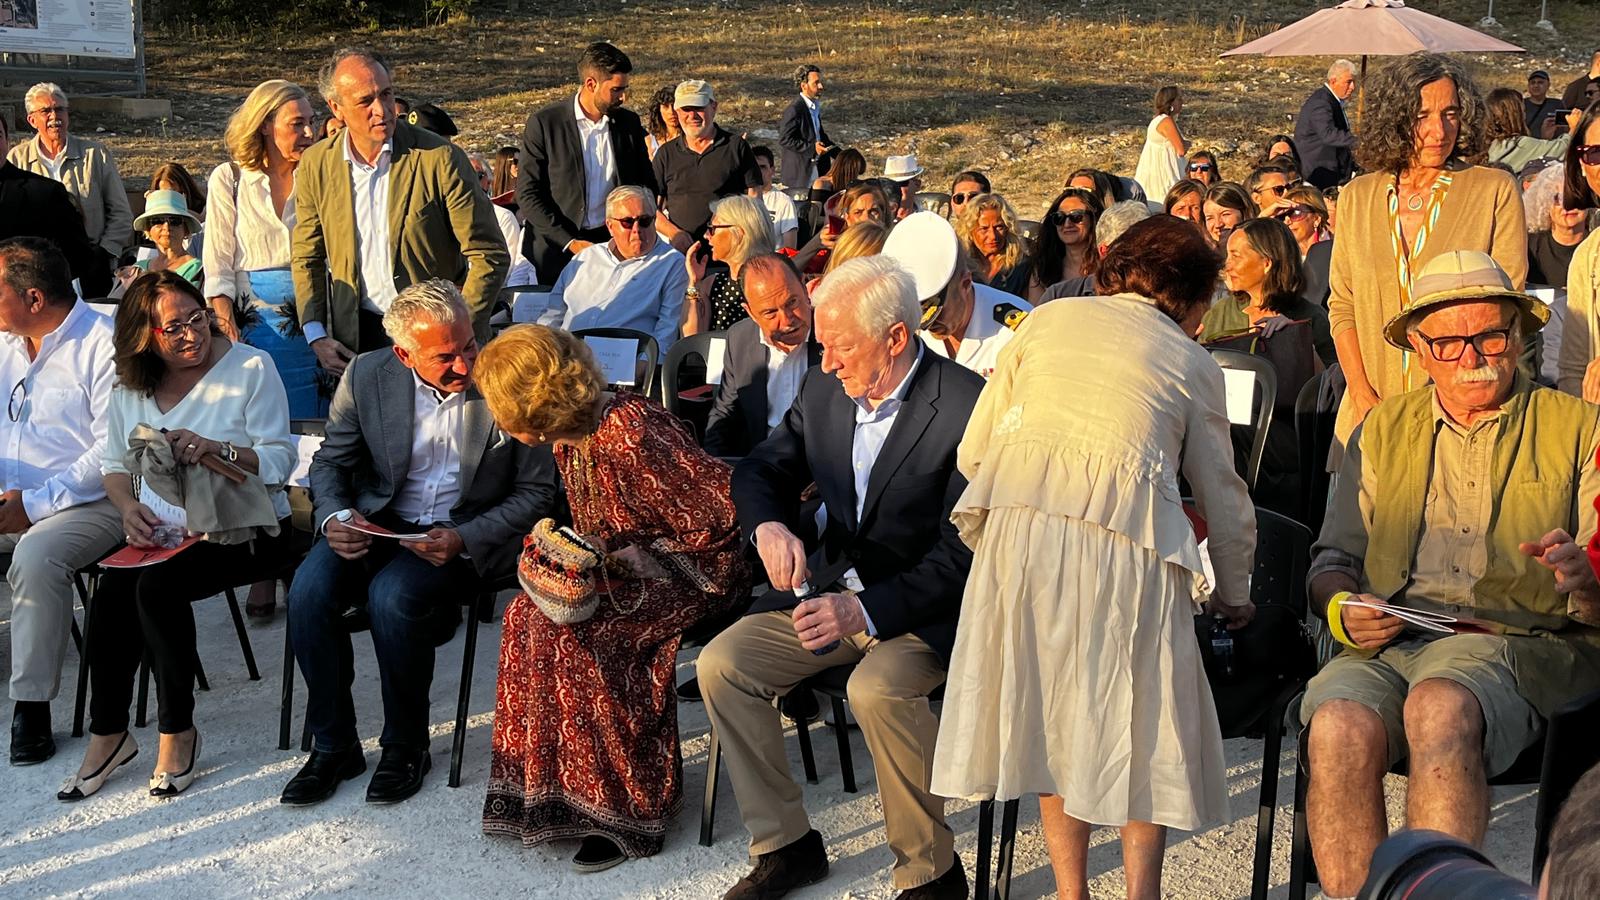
<point>1367,623</point>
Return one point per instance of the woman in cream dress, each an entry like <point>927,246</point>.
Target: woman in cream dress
<point>1076,674</point>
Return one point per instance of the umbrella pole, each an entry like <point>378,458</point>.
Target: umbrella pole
<point>1361,100</point>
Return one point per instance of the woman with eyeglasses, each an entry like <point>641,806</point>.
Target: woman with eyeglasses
<point>1065,247</point>
<point>1161,160</point>
<point>987,228</point>
<point>740,228</point>
<point>965,187</point>
<point>1202,167</point>
<point>1580,369</point>
<point>188,402</point>
<point>1186,200</point>
<point>1420,197</point>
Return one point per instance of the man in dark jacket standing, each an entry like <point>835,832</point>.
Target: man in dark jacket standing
<point>1322,133</point>
<point>801,133</point>
<point>573,153</point>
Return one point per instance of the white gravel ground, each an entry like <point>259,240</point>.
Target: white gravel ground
<point>228,836</point>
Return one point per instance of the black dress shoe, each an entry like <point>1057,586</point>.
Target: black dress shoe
<point>952,885</point>
<point>31,741</point>
<point>398,774</point>
<point>690,690</point>
<point>321,774</point>
<point>801,706</point>
<point>785,869</point>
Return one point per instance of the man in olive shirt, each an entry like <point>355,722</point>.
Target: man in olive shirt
<point>703,164</point>
<point>1485,479</point>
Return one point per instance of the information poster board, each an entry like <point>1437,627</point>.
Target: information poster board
<point>72,27</point>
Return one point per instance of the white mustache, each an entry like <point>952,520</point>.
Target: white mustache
<point>1477,375</point>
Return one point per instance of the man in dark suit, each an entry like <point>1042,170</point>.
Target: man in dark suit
<point>35,206</point>
<point>882,588</point>
<point>410,448</point>
<point>573,153</point>
<point>1322,133</point>
<point>801,134</point>
<point>767,356</point>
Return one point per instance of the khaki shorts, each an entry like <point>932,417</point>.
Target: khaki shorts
<point>1476,662</point>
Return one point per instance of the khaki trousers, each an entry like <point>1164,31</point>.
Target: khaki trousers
<point>42,561</point>
<point>748,666</point>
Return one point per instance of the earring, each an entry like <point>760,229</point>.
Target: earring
<point>541,437</point>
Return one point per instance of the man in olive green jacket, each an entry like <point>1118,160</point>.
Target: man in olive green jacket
<point>1461,500</point>
<point>381,206</point>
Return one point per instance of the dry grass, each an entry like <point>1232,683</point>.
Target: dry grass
<point>1027,90</point>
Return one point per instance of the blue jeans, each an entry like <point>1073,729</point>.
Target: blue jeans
<point>405,597</point>
<point>297,365</point>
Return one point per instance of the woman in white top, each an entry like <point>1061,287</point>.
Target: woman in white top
<point>251,201</point>
<point>212,399</point>
<point>1075,673</point>
<point>1161,162</point>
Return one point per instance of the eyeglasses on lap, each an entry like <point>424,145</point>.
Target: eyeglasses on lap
<point>1450,347</point>
<point>628,223</point>
<point>198,322</point>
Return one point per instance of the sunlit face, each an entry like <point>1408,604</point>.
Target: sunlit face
<point>721,236</point>
<point>633,230</point>
<point>365,101</point>
<point>1272,187</point>
<point>1071,217</point>
<point>1244,270</point>
<point>1343,84</point>
<point>698,122</point>
<point>812,86</point>
<point>778,303</point>
<point>961,193</point>
<point>48,116</point>
<point>1187,208</point>
<point>1220,221</point>
<point>863,363</point>
<point>866,208</point>
<point>991,232</point>
<point>1281,148</point>
<point>444,354</point>
<point>1204,170</point>
<point>1437,125</point>
<point>288,130</point>
<point>1474,382</point>
<point>609,93</point>
<point>167,232</point>
<point>189,343</point>
<point>1085,182</point>
<point>1566,218</point>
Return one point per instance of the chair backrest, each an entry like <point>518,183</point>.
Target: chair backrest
<point>612,364</point>
<point>705,345</point>
<point>522,303</point>
<point>1029,229</point>
<point>1254,412</point>
<point>1315,411</point>
<point>1283,557</point>
<point>933,201</point>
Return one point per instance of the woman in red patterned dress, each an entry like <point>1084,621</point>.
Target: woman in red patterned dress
<point>586,721</point>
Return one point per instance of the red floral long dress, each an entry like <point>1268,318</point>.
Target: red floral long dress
<point>586,718</point>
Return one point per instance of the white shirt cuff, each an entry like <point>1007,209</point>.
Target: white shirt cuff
<point>315,331</point>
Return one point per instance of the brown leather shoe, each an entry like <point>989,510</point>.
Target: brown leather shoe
<point>952,885</point>
<point>777,873</point>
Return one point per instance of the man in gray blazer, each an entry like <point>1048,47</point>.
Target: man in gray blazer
<point>410,449</point>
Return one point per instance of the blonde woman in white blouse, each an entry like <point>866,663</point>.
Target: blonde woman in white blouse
<point>250,217</point>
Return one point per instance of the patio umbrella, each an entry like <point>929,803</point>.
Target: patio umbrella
<point>1371,28</point>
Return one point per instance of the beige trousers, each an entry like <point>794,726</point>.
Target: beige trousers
<point>759,659</point>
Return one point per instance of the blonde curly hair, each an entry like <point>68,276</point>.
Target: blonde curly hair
<point>540,380</point>
<point>966,222</point>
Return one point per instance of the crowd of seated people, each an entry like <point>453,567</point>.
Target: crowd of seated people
<point>937,430</point>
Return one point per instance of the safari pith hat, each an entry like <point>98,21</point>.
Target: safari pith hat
<point>1463,275</point>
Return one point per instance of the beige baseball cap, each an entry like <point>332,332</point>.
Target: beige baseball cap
<point>693,93</point>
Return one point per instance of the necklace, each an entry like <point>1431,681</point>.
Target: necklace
<point>1415,203</point>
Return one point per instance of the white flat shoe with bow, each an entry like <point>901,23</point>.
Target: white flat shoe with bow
<point>168,784</point>
<point>78,787</point>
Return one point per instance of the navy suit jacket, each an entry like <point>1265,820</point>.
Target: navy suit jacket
<point>738,418</point>
<point>798,141</point>
<point>1322,135</point>
<point>911,560</point>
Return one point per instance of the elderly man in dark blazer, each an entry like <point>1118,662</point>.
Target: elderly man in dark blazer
<point>876,429</point>
<point>1321,132</point>
<point>412,450</point>
<point>801,135</point>
<point>767,357</point>
<point>574,152</point>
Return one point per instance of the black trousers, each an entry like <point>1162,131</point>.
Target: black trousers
<point>147,609</point>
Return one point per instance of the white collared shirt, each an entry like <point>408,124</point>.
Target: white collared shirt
<point>52,451</point>
<point>599,165</point>
<point>370,193</point>
<point>245,237</point>
<point>53,164</point>
<point>785,371</point>
<point>599,290</point>
<point>981,344</point>
<point>433,481</point>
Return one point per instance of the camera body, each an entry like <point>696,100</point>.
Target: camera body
<point>1431,865</point>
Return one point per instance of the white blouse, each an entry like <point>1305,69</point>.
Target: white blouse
<point>244,237</point>
<point>240,401</point>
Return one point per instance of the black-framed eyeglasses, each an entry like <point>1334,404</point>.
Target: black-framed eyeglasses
<point>1075,216</point>
<point>1589,154</point>
<point>19,400</point>
<point>51,110</point>
<point>169,221</point>
<point>627,223</point>
<point>713,228</point>
<point>1450,347</point>
<point>198,322</point>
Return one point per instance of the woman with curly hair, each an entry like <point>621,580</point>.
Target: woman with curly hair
<point>987,227</point>
<point>663,125</point>
<point>1422,196</point>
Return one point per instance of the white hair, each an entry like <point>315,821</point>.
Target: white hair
<point>875,291</point>
<point>1118,219</point>
<point>631,192</point>
<point>1542,193</point>
<point>45,90</point>
<point>435,299</point>
<point>1339,67</point>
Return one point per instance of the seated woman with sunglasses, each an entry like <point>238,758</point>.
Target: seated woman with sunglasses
<point>168,223</point>
<point>1304,209</point>
<point>189,402</point>
<point>1065,248</point>
<point>1203,168</point>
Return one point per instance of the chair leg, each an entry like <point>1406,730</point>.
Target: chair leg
<point>144,693</point>
<point>244,636</point>
<point>708,801</point>
<point>286,702</point>
<point>980,877</point>
<point>1300,845</point>
<point>83,658</point>
<point>841,733</point>
<point>77,636</point>
<point>486,608</point>
<point>200,673</point>
<point>1267,805</point>
<point>1008,845</point>
<point>808,757</point>
<point>459,744</point>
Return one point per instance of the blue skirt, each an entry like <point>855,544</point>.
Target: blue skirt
<point>297,365</point>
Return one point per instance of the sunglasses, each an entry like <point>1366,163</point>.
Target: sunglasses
<point>958,199</point>
<point>1074,216</point>
<point>1589,154</point>
<point>628,223</point>
<point>19,400</point>
<point>169,221</point>
<point>1277,190</point>
<point>1201,167</point>
<point>713,228</point>
<point>1293,213</point>
<point>198,322</point>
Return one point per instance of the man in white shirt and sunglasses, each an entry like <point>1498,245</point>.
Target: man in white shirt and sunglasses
<point>57,358</point>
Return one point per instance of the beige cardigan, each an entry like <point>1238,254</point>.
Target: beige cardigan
<point>1578,333</point>
<point>1482,211</point>
<point>89,173</point>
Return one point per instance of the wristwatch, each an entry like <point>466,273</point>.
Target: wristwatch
<point>692,292</point>
<point>229,452</point>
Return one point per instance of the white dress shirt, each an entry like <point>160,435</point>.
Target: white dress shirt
<point>52,451</point>
<point>521,270</point>
<point>369,187</point>
<point>785,371</point>
<point>599,290</point>
<point>980,346</point>
<point>246,237</point>
<point>433,481</point>
<point>599,165</point>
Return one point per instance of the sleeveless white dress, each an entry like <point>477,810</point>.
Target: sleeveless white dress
<point>1160,166</point>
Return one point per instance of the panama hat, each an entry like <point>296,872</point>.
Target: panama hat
<point>1462,275</point>
<point>901,168</point>
<point>165,203</point>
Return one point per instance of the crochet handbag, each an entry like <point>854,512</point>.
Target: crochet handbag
<point>557,569</point>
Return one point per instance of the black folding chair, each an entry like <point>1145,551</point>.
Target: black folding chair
<point>1314,413</point>
<point>1029,229</point>
<point>1266,395</point>
<point>504,314</point>
<point>647,347</point>
<point>685,393</point>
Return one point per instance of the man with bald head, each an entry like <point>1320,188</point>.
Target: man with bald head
<point>767,356</point>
